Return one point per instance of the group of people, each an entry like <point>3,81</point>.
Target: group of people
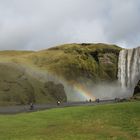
<point>59,102</point>
<point>97,100</point>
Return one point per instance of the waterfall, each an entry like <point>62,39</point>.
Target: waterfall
<point>129,68</point>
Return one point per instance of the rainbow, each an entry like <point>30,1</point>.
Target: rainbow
<point>84,92</point>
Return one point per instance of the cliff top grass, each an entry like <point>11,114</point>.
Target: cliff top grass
<point>114,121</point>
<point>74,61</point>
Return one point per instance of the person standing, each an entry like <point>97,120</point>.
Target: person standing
<point>58,103</point>
<point>31,106</point>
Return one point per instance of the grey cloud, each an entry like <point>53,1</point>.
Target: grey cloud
<point>124,22</point>
<point>39,24</point>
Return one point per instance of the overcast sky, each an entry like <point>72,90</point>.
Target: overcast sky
<point>39,24</point>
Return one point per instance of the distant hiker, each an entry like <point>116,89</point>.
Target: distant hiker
<point>58,103</point>
<point>117,99</point>
<point>97,100</point>
<point>31,106</point>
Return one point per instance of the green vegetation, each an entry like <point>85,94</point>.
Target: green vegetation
<point>71,61</point>
<point>136,97</point>
<point>21,72</point>
<point>17,87</point>
<point>95,62</point>
<point>103,122</point>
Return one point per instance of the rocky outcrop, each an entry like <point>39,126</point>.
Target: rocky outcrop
<point>137,89</point>
<point>56,91</point>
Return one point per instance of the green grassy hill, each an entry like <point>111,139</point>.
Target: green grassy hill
<point>18,87</point>
<point>103,122</point>
<point>80,61</point>
<point>71,61</point>
<point>24,74</point>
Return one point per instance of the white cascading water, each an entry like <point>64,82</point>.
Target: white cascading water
<point>129,68</point>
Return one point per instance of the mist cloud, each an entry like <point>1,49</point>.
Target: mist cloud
<point>39,24</point>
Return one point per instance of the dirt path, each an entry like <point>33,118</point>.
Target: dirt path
<point>37,107</point>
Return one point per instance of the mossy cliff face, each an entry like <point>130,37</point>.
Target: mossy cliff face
<point>80,62</point>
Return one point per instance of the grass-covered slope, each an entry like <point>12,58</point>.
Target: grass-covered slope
<point>104,122</point>
<point>71,61</point>
<point>18,87</point>
<point>80,61</point>
<point>20,71</point>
